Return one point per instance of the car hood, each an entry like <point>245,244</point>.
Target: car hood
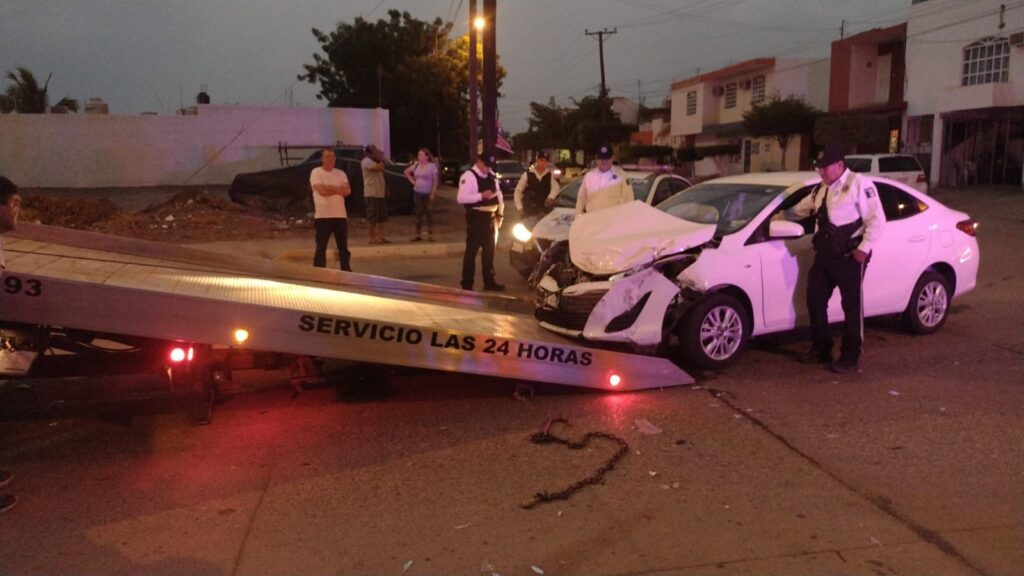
<point>631,235</point>
<point>555,225</point>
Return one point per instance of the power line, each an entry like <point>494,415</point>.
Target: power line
<point>600,47</point>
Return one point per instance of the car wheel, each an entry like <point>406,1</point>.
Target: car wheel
<point>714,331</point>
<point>929,304</point>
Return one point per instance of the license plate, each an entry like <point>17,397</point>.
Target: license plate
<point>518,247</point>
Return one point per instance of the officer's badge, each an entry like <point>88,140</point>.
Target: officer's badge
<point>846,189</point>
<point>615,176</point>
<point>462,181</point>
<point>869,192</point>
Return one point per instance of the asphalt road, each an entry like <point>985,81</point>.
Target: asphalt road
<point>912,466</point>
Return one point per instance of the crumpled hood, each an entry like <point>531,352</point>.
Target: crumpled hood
<point>555,225</point>
<point>624,237</point>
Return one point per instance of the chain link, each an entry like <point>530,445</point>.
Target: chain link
<point>546,437</point>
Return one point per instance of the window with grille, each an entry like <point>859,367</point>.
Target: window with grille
<point>691,103</point>
<point>730,95</point>
<point>986,61</point>
<point>757,89</point>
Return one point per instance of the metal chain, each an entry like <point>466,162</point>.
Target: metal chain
<point>546,437</point>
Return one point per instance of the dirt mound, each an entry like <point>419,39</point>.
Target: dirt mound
<point>188,216</point>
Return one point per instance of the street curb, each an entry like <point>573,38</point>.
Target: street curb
<point>424,249</point>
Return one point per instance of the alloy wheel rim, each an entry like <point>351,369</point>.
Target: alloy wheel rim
<point>932,304</point>
<point>721,333</point>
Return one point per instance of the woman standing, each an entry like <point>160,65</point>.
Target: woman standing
<point>424,176</point>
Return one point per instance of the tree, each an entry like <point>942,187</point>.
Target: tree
<point>409,66</point>
<point>591,123</point>
<point>26,96</point>
<point>780,119</point>
<point>858,133</point>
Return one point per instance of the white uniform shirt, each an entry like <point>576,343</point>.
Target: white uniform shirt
<point>328,206</point>
<point>603,190</point>
<point>850,197</point>
<point>525,178</point>
<point>470,194</point>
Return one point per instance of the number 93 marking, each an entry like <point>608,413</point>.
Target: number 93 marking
<point>15,285</point>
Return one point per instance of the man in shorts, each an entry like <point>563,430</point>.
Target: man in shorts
<point>375,193</point>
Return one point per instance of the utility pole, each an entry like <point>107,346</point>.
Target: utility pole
<point>472,82</point>
<point>490,94</point>
<point>600,48</point>
<point>842,29</point>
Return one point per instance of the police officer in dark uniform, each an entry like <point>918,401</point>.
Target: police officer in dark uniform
<point>849,220</point>
<point>479,194</point>
<point>536,189</point>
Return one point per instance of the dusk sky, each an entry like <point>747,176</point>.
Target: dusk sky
<point>153,55</point>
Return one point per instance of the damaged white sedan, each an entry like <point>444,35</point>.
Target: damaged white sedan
<point>726,260</point>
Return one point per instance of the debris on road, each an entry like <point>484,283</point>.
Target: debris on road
<point>645,427</point>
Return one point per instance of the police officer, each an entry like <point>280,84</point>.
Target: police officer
<point>604,187</point>
<point>849,220</point>
<point>479,194</point>
<point>537,189</point>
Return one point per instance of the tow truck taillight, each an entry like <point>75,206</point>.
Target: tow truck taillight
<point>614,380</point>
<point>969,227</point>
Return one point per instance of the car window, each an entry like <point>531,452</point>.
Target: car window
<point>858,164</point>
<point>666,188</point>
<point>729,206</point>
<point>898,164</point>
<point>898,204</point>
<point>642,187</point>
<point>511,167</point>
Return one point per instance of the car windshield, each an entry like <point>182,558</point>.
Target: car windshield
<point>510,167</point>
<point>567,197</point>
<point>642,187</point>
<point>729,206</point>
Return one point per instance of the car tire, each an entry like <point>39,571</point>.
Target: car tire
<point>928,307</point>
<point>714,331</point>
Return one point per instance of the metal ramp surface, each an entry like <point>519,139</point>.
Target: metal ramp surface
<point>90,281</point>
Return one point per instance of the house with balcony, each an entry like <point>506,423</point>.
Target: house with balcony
<point>965,90</point>
<point>707,114</point>
<point>866,88</point>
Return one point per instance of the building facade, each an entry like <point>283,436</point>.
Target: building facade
<point>965,91</point>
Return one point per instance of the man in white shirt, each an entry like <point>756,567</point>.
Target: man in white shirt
<point>603,187</point>
<point>849,221</point>
<point>330,188</point>
<point>536,190</point>
<point>480,196</point>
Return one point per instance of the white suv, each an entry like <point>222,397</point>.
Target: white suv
<point>899,167</point>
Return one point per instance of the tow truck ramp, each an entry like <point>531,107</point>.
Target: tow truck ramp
<point>89,281</point>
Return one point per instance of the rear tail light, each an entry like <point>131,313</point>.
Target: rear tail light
<point>614,380</point>
<point>921,179</point>
<point>181,354</point>
<point>969,227</point>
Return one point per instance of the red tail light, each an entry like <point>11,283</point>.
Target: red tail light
<point>969,227</point>
<point>614,380</point>
<point>181,354</point>
<point>921,179</point>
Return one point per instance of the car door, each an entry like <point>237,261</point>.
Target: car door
<point>665,188</point>
<point>784,267</point>
<point>898,257</point>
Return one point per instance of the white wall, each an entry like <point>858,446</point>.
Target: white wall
<point>683,125</point>
<point>934,62</point>
<point>803,78</point>
<point>210,147</point>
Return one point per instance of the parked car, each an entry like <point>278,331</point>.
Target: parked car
<point>287,190</point>
<point>569,171</point>
<point>451,171</point>
<point>903,168</point>
<point>725,260</point>
<point>531,238</point>
<point>508,173</point>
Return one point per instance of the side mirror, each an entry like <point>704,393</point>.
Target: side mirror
<point>785,229</point>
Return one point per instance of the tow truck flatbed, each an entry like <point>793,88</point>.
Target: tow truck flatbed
<point>90,281</point>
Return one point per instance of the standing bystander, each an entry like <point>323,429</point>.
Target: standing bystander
<point>10,207</point>
<point>536,190</point>
<point>479,194</point>
<point>330,188</point>
<point>375,193</point>
<point>424,175</point>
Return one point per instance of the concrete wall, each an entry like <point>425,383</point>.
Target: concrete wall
<point>209,147</point>
<point>803,78</point>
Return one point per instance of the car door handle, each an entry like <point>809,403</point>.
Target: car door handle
<point>917,238</point>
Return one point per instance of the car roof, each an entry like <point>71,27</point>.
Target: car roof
<point>785,179</point>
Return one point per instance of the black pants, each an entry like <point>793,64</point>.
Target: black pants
<point>825,276</point>
<point>479,237</point>
<point>421,206</point>
<point>324,228</point>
